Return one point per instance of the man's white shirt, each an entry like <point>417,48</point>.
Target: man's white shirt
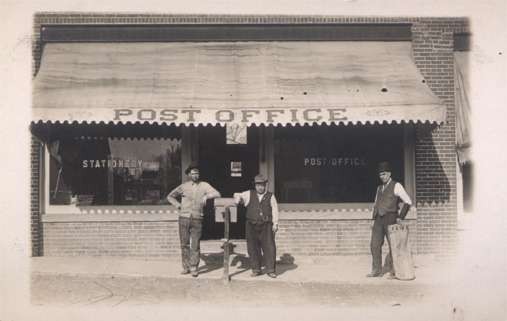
<point>245,197</point>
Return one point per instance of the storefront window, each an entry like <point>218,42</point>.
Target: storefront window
<point>334,164</point>
<point>113,171</point>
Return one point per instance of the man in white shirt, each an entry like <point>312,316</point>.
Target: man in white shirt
<point>385,212</point>
<point>261,225</point>
<point>194,195</point>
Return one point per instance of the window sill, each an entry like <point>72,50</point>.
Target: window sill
<point>144,217</point>
<point>331,211</point>
<point>110,209</point>
<point>335,207</point>
<point>112,213</point>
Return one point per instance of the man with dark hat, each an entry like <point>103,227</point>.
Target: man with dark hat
<point>261,225</point>
<point>194,195</point>
<point>385,212</point>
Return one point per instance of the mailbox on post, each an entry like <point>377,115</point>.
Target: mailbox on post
<point>225,211</point>
<point>220,205</point>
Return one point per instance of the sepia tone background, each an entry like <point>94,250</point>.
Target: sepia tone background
<point>483,249</point>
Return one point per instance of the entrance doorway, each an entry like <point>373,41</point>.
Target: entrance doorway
<point>215,159</point>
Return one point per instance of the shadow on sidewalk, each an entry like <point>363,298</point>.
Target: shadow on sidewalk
<point>285,263</point>
<point>215,261</point>
<point>212,262</point>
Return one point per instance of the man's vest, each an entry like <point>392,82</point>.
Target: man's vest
<point>386,201</point>
<point>256,208</point>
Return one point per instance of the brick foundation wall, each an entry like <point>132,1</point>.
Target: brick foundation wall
<point>35,201</point>
<point>329,237</point>
<point>435,156</point>
<point>160,239</point>
<point>111,239</point>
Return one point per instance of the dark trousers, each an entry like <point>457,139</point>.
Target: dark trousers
<point>260,242</point>
<point>378,233</point>
<point>190,238</point>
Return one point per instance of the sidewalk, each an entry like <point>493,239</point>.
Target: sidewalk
<point>307,288</point>
<point>338,269</point>
<point>338,281</point>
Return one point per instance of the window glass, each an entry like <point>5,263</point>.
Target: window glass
<point>334,164</point>
<point>113,171</point>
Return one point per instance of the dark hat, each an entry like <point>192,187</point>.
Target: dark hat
<point>191,167</point>
<point>384,167</point>
<point>260,179</point>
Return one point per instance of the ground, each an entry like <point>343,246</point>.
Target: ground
<point>310,288</point>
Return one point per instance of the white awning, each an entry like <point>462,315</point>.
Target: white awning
<point>242,82</point>
<point>463,110</point>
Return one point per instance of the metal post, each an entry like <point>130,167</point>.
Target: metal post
<point>227,245</point>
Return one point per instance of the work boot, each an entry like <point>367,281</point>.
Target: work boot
<point>255,273</point>
<point>272,275</point>
<point>185,271</point>
<point>195,273</point>
<point>373,275</point>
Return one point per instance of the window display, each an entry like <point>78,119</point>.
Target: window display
<point>330,164</point>
<point>113,171</point>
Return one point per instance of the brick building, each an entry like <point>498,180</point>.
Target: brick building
<point>123,103</point>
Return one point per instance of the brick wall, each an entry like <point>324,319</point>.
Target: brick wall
<point>111,239</point>
<point>329,237</point>
<point>435,145</point>
<point>35,210</point>
<point>435,153</point>
<point>160,239</point>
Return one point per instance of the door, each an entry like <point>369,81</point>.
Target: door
<point>215,159</point>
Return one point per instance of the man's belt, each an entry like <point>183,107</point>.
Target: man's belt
<point>258,222</point>
<point>387,213</point>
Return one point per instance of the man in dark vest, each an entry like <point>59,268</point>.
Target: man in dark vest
<point>261,225</point>
<point>385,212</point>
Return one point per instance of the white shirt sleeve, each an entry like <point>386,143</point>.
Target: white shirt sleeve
<point>210,191</point>
<point>401,193</point>
<point>244,197</point>
<point>274,209</point>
